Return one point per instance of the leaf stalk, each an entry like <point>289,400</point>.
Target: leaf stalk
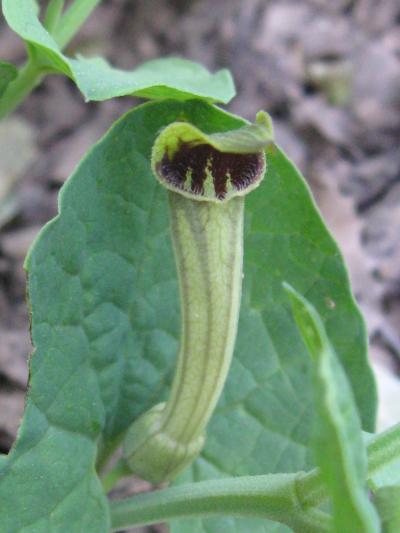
<point>72,20</point>
<point>287,498</point>
<point>29,76</point>
<point>53,15</point>
<point>271,497</point>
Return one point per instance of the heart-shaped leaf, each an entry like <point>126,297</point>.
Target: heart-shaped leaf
<point>105,325</point>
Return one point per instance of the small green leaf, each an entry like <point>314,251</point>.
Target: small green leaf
<point>161,78</point>
<point>387,500</point>
<point>339,449</point>
<point>97,80</point>
<point>8,73</point>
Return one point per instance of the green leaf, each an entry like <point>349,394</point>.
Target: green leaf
<point>8,73</point>
<point>105,325</point>
<point>387,500</point>
<point>97,80</point>
<point>339,448</point>
<point>161,78</point>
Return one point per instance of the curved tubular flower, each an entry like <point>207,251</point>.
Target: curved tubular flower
<point>207,177</point>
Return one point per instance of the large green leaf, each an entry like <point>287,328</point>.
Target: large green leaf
<point>97,80</point>
<point>8,72</point>
<point>339,446</point>
<point>105,324</point>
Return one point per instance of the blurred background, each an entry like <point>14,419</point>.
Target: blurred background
<point>329,74</point>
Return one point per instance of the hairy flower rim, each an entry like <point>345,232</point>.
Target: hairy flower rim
<point>200,170</point>
<point>210,167</point>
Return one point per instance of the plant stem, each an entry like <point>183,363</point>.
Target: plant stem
<point>287,498</point>
<point>28,77</point>
<point>251,496</point>
<point>53,14</point>
<point>310,488</point>
<point>72,20</point>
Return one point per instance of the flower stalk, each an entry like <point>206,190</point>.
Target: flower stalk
<point>291,499</point>
<point>207,177</point>
<point>270,497</point>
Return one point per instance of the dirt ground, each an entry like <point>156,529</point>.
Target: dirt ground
<point>329,74</point>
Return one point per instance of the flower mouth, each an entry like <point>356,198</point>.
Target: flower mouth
<point>202,171</point>
<point>212,167</point>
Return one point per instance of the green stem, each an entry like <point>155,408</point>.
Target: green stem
<point>310,488</point>
<point>274,498</point>
<point>287,498</point>
<point>72,20</point>
<point>28,77</point>
<point>53,14</point>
